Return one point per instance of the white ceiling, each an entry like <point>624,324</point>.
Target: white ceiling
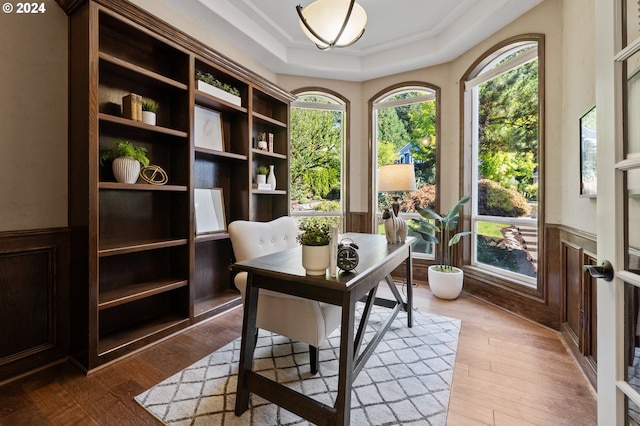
<point>400,35</point>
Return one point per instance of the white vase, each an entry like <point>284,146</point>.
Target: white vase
<point>315,259</point>
<point>262,179</point>
<point>445,285</point>
<point>271,179</point>
<point>126,169</point>
<point>149,117</point>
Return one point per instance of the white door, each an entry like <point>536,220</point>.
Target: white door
<point>617,42</point>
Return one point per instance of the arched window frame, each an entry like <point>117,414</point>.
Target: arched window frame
<point>336,102</point>
<point>378,101</point>
<point>484,69</point>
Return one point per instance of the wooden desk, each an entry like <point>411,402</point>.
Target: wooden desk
<point>283,272</point>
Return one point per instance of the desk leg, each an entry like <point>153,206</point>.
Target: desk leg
<point>247,346</point>
<point>409,290</point>
<point>345,378</point>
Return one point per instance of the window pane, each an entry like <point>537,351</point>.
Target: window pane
<point>633,215</point>
<point>633,105</point>
<point>506,158</point>
<point>406,133</point>
<point>316,159</point>
<point>507,246</point>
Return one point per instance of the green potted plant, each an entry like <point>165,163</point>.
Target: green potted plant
<point>261,172</point>
<point>149,109</point>
<point>211,85</point>
<point>316,252</point>
<point>445,280</point>
<point>126,160</point>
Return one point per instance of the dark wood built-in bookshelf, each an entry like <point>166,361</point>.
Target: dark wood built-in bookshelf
<point>139,272</point>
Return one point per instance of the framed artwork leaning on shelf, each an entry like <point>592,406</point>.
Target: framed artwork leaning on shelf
<point>207,129</point>
<point>209,207</point>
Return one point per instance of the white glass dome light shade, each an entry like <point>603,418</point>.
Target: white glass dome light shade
<point>326,18</point>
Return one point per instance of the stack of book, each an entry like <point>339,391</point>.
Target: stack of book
<point>132,106</point>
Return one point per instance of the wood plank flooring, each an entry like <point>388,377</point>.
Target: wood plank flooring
<point>509,371</point>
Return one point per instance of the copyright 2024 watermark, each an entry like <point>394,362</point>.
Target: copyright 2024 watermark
<point>23,8</point>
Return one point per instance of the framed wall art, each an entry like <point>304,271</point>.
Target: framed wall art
<point>209,207</point>
<point>208,129</point>
<point>588,154</point>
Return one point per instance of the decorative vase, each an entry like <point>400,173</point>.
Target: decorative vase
<point>445,285</point>
<point>126,169</point>
<point>262,179</point>
<point>149,117</point>
<point>316,259</point>
<point>271,179</point>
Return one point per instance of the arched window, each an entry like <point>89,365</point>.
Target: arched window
<point>503,140</point>
<point>318,149</point>
<point>405,123</point>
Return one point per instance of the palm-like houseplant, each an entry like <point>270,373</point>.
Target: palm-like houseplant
<point>437,229</point>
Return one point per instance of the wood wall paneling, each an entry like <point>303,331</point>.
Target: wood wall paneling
<point>34,307</point>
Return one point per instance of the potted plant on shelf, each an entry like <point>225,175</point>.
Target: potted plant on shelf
<point>316,251</point>
<point>209,84</point>
<point>126,160</point>
<point>261,172</point>
<point>149,109</point>
<point>445,280</point>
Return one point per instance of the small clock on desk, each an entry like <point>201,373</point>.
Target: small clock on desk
<point>347,255</point>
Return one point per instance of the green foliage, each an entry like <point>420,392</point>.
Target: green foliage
<point>495,200</point>
<point>327,206</point>
<point>125,149</point>
<point>316,233</point>
<point>209,79</point>
<point>437,228</point>
<point>491,229</point>
<point>511,170</point>
<point>391,129</point>
<point>262,170</point>
<point>386,153</point>
<point>149,105</point>
<point>316,153</point>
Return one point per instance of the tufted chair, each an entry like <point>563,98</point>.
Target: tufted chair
<point>299,319</point>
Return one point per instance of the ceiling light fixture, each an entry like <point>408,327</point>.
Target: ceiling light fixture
<point>333,23</point>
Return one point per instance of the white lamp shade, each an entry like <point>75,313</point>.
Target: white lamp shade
<point>396,178</point>
<point>326,18</point>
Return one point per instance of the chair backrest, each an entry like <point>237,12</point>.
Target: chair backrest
<point>254,239</point>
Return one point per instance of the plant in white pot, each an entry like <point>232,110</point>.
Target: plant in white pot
<point>261,174</point>
<point>126,160</point>
<point>211,85</point>
<point>149,109</point>
<point>316,252</point>
<point>445,280</point>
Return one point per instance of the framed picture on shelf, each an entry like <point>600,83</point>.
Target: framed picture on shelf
<point>208,129</point>
<point>209,207</point>
<point>588,154</point>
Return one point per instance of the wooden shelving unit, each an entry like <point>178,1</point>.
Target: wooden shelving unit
<point>139,271</point>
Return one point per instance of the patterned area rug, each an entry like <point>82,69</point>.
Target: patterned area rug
<point>405,382</point>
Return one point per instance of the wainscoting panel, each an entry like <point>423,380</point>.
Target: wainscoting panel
<point>34,311</point>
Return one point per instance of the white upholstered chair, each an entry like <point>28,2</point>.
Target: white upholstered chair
<point>302,320</point>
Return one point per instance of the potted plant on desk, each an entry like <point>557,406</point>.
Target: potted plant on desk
<point>445,280</point>
<point>316,252</point>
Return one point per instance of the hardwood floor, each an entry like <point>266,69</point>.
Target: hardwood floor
<point>509,371</point>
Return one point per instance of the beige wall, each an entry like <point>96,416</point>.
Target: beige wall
<point>33,156</point>
<point>33,117</point>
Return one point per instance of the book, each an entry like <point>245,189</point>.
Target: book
<point>132,107</point>
<point>270,140</point>
<point>264,187</point>
<point>129,106</point>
